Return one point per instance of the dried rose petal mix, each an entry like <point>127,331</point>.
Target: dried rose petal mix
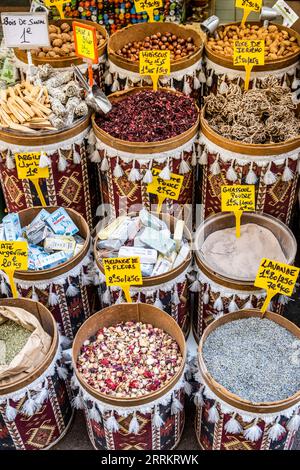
<point>129,359</point>
<point>149,116</point>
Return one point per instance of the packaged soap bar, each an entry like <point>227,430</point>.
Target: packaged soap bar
<point>61,223</point>
<point>106,233</point>
<point>155,240</point>
<point>146,269</point>
<point>178,233</point>
<point>146,255</point>
<point>110,244</point>
<point>133,228</point>
<point>60,243</point>
<point>35,234</point>
<point>2,235</point>
<point>182,255</point>
<point>121,232</point>
<point>149,220</point>
<point>162,266</point>
<point>12,226</point>
<point>50,261</point>
<point>41,216</point>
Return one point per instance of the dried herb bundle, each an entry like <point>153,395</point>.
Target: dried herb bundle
<point>257,116</point>
<point>15,337</point>
<point>149,116</point>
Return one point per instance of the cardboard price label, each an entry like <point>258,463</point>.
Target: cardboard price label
<point>288,14</point>
<point>85,42</point>
<point>155,63</point>
<point>28,168</point>
<point>25,30</point>
<point>123,272</point>
<point>238,198</point>
<point>58,4</point>
<point>248,53</point>
<point>275,278</point>
<point>148,6</point>
<point>165,189</point>
<point>13,256</point>
<point>248,6</point>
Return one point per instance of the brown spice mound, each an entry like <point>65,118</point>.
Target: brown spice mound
<point>257,116</point>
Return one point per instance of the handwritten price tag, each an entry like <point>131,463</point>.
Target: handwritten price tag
<point>28,168</point>
<point>248,53</point>
<point>13,256</point>
<point>248,6</point>
<point>165,188</point>
<point>123,272</point>
<point>148,6</point>
<point>155,63</point>
<point>238,199</point>
<point>25,30</point>
<point>275,278</point>
<point>85,41</point>
<point>58,4</point>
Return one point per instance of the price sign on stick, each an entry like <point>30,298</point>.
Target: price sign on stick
<point>25,30</point>
<point>148,6</point>
<point>58,4</point>
<point>248,6</point>
<point>13,256</point>
<point>86,45</point>
<point>238,199</point>
<point>123,272</point>
<point>165,189</point>
<point>28,168</point>
<point>275,278</point>
<point>248,53</point>
<point>155,63</point>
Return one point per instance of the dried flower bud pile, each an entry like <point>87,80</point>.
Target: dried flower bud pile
<point>52,238</point>
<point>129,360</point>
<point>279,43</point>
<point>13,338</point>
<point>149,238</point>
<point>179,47</point>
<point>148,116</point>
<point>62,43</point>
<point>257,116</point>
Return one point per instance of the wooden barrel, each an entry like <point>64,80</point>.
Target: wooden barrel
<point>213,430</point>
<point>151,435</point>
<point>72,182</point>
<point>272,167</point>
<point>220,70</point>
<point>217,294</point>
<point>169,290</point>
<point>46,421</point>
<point>185,72</point>
<point>120,193</point>
<point>69,306</point>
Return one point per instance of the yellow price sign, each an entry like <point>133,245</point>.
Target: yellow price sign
<point>238,198</point>
<point>275,278</point>
<point>13,256</point>
<point>85,41</point>
<point>148,6</point>
<point>165,189</point>
<point>155,63</point>
<point>58,4</point>
<point>28,168</point>
<point>123,272</point>
<point>248,6</point>
<point>248,53</point>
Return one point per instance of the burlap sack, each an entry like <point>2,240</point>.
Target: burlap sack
<point>34,351</point>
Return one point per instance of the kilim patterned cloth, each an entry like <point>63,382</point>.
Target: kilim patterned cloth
<point>149,437</point>
<point>45,427</point>
<point>76,187</point>
<point>277,199</point>
<point>213,436</point>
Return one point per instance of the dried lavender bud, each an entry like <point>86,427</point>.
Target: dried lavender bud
<point>149,116</point>
<point>15,337</point>
<point>129,359</point>
<point>257,116</point>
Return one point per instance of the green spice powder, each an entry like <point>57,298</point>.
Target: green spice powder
<point>15,337</point>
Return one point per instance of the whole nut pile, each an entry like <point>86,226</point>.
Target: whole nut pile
<point>62,43</point>
<point>149,116</point>
<point>129,359</point>
<point>178,47</point>
<point>278,43</point>
<point>257,116</point>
